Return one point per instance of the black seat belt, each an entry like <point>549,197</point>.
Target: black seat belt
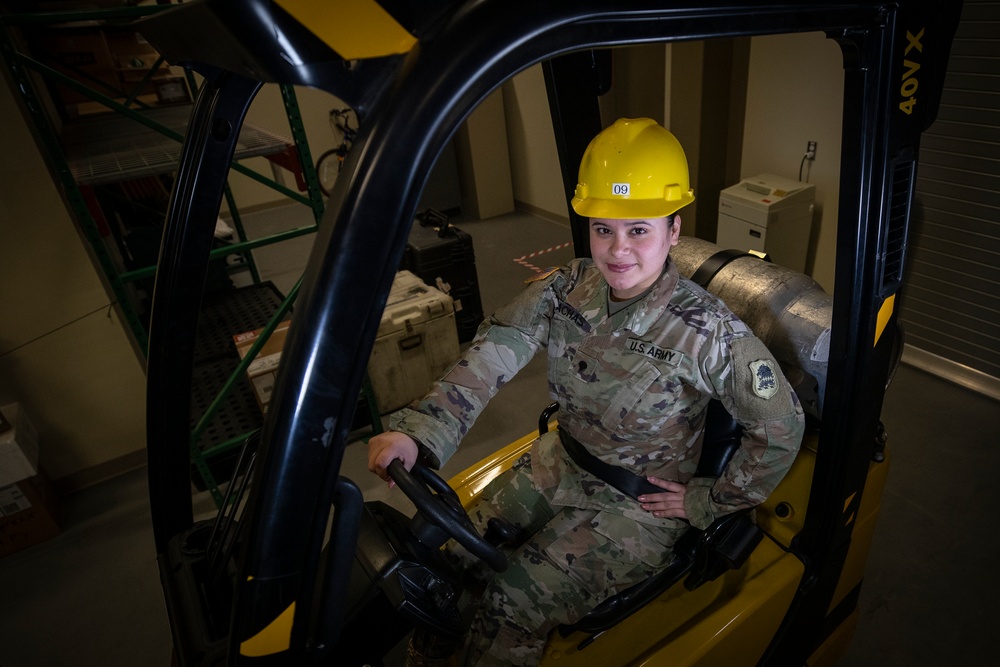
<point>626,481</point>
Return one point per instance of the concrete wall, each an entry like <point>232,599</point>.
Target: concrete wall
<point>795,94</point>
<point>64,354</point>
<point>534,163</point>
<point>268,111</point>
<point>483,158</point>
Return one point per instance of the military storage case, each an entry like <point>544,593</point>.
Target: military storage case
<point>417,341</point>
<point>442,255</point>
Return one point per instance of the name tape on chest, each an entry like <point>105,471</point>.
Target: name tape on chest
<point>573,315</point>
<point>655,352</point>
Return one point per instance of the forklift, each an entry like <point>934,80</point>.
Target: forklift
<point>298,568</point>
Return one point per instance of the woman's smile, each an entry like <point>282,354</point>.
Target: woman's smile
<point>630,254</point>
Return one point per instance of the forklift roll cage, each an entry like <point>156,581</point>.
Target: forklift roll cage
<point>412,91</point>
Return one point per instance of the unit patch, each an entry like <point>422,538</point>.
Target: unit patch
<point>647,349</point>
<point>765,383</point>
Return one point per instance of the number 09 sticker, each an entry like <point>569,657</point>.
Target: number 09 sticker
<point>620,189</point>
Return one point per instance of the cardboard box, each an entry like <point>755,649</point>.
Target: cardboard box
<point>18,446</point>
<point>29,513</point>
<point>262,370</point>
<point>134,56</point>
<point>83,55</point>
<point>110,61</point>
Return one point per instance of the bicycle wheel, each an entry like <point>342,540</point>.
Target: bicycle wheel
<point>327,168</point>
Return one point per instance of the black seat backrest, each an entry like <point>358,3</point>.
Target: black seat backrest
<point>722,439</point>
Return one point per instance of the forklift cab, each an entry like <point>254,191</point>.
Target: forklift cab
<point>268,582</point>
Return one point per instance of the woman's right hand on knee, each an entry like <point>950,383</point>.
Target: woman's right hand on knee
<point>388,446</point>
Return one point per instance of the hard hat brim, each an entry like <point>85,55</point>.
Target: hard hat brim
<point>630,209</point>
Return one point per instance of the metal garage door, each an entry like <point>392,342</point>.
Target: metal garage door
<point>951,306</point>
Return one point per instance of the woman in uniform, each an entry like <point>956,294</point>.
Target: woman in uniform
<point>635,354</point>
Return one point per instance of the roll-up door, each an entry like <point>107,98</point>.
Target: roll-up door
<point>951,302</point>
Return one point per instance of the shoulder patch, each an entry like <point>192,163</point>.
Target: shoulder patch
<point>763,378</point>
<point>542,275</point>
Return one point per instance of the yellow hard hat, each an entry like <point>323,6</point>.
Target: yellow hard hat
<point>633,169</point>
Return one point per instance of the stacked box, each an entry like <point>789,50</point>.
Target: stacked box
<point>112,62</point>
<point>28,508</point>
<point>82,50</point>
<point>18,445</point>
<point>28,513</point>
<point>263,369</point>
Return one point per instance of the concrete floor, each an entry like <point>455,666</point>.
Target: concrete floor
<point>92,596</point>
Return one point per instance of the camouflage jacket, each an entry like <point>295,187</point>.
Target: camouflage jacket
<point>632,388</point>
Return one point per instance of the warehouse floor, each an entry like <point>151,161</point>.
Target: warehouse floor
<point>91,596</point>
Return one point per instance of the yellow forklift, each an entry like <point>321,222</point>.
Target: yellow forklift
<point>297,568</point>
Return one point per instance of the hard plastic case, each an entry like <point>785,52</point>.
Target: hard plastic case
<point>442,255</point>
<point>417,342</point>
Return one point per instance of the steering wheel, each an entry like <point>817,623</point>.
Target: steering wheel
<point>439,504</point>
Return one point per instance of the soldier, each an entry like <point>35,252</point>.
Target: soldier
<point>635,353</point>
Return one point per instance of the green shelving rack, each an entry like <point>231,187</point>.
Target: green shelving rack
<point>138,141</point>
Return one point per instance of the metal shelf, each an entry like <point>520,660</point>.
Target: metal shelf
<point>111,148</point>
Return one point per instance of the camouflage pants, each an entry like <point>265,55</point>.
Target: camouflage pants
<point>570,560</point>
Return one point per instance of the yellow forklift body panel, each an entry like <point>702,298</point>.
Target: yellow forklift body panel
<point>275,638</point>
<point>729,621</point>
<point>469,483</point>
<point>864,530</point>
<point>355,29</point>
<point>783,514</point>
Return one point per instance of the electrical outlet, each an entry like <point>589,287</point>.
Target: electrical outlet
<point>811,150</point>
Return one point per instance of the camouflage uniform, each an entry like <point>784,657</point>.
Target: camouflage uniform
<point>632,388</point>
